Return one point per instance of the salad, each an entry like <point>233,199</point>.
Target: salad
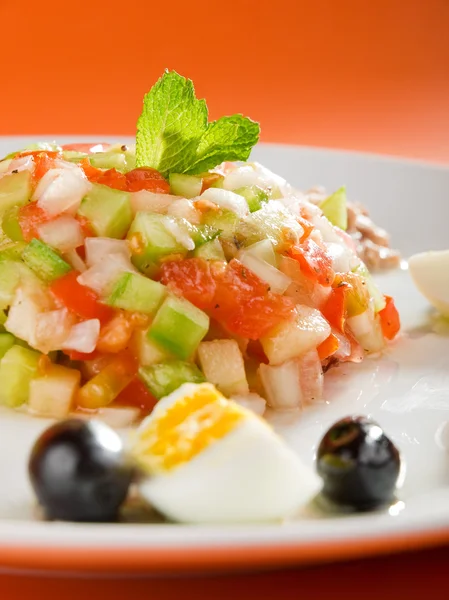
<point>126,272</point>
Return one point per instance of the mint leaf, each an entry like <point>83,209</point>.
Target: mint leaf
<point>229,138</point>
<point>171,125</point>
<point>173,135</point>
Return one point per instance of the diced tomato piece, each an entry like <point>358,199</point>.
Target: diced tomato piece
<point>389,319</point>
<point>334,310</point>
<point>137,394</point>
<point>85,226</point>
<point>44,161</point>
<point>114,179</point>
<point>79,298</point>
<point>328,347</point>
<point>87,147</point>
<point>30,217</point>
<point>245,306</point>
<point>146,178</point>
<point>92,173</point>
<point>314,262</point>
<point>190,278</point>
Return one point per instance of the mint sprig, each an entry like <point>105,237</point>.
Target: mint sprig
<point>174,136</point>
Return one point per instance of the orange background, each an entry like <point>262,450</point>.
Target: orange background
<point>361,74</point>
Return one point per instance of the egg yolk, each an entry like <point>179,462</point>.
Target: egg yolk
<point>185,429</point>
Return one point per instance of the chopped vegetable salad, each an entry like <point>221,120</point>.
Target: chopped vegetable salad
<point>128,271</point>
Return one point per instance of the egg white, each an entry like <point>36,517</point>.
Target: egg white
<point>248,475</point>
<point>430,272</point>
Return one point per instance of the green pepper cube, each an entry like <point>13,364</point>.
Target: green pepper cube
<point>164,378</point>
<point>107,210</point>
<point>44,261</point>
<point>179,327</point>
<point>15,189</point>
<point>17,368</point>
<point>137,293</point>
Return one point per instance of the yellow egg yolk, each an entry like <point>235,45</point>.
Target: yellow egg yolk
<point>185,429</point>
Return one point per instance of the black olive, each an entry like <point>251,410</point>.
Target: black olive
<point>358,463</point>
<point>79,471</point>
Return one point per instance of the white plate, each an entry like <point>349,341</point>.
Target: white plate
<point>407,391</point>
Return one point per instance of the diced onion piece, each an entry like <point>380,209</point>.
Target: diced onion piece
<point>83,336</point>
<point>149,201</point>
<point>344,346</point>
<point>277,281</point>
<point>281,384</point>
<point>24,163</point>
<point>23,314</point>
<point>179,233</point>
<point>293,338</point>
<point>228,200</point>
<point>52,329</point>
<point>222,364</point>
<point>184,209</point>
<point>251,401</point>
<point>61,190</point>
<point>342,257</point>
<point>311,377</point>
<point>101,277</point>
<point>75,260</point>
<point>272,179</point>
<point>367,331</point>
<point>242,177</point>
<point>99,249</point>
<point>264,251</point>
<point>326,229</point>
<point>63,233</point>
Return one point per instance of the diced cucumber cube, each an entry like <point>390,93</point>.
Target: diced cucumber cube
<point>179,327</point>
<point>9,280</point>
<point>201,234</point>
<point>374,292</point>
<point>147,352</point>
<point>335,209</point>
<point>155,239</point>
<point>137,293</point>
<point>12,251</point>
<point>15,189</point>
<point>107,210</point>
<point>187,186</point>
<point>222,220</point>
<point>108,160</point>
<point>44,261</point>
<point>10,224</point>
<point>210,251</point>
<point>164,378</point>
<point>4,165</point>
<point>7,341</point>
<point>254,195</point>
<point>17,368</point>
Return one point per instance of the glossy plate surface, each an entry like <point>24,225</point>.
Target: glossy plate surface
<point>407,391</point>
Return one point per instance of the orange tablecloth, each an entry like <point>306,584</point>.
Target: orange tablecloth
<point>371,76</point>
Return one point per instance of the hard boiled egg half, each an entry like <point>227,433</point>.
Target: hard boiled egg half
<point>430,272</point>
<point>206,459</point>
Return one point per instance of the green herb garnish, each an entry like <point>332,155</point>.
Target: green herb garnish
<point>174,135</point>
